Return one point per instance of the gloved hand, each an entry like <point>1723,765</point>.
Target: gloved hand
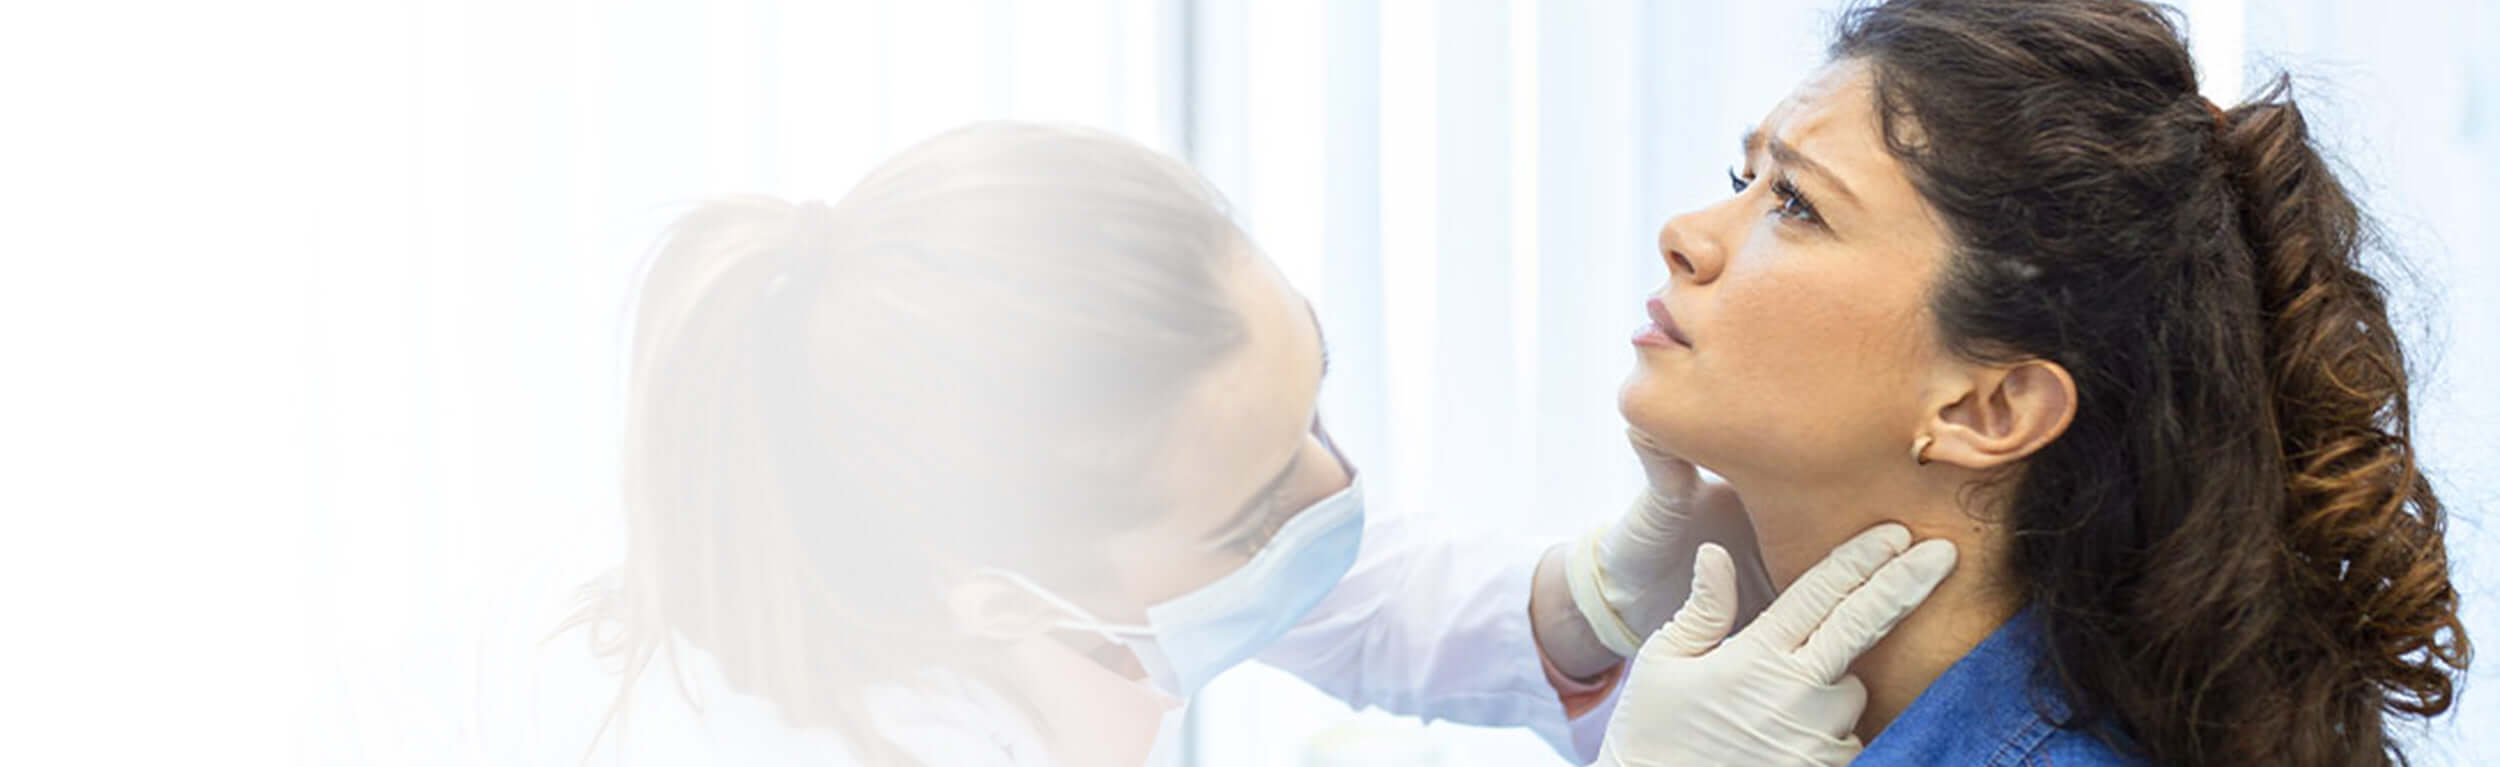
<point>1628,576</point>
<point>1780,692</point>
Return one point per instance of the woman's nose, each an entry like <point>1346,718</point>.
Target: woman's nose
<point>1692,252</point>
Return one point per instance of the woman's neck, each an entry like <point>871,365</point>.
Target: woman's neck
<point>1798,526</point>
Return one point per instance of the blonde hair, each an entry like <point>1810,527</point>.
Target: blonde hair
<point>968,358</point>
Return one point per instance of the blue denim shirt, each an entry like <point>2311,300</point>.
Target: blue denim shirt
<point>1987,711</point>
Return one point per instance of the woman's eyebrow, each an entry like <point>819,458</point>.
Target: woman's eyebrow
<point>1788,157</point>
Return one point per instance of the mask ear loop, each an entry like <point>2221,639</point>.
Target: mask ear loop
<point>1084,620</point>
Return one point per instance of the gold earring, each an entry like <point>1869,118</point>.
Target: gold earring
<point>1918,450</point>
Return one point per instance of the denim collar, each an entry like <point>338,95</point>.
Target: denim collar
<point>1990,708</point>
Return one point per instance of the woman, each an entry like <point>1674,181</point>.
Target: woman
<point>1005,454</point>
<point>1997,269</point>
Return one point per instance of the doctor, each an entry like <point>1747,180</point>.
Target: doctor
<point>1003,456</point>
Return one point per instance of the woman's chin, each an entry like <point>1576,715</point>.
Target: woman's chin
<point>1649,405</point>
<point>1681,424</point>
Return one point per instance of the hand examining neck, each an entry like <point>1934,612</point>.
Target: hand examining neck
<point>1598,598</point>
<point>1797,524</point>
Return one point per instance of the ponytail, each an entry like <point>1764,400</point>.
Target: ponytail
<point>2364,529</point>
<point>821,420</point>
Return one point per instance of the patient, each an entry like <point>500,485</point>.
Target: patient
<point>1999,271</point>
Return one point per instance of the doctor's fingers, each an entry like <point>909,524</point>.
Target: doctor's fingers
<point>1707,613</point>
<point>1794,615</point>
<point>1830,712</point>
<point>1669,476</point>
<point>1873,609</point>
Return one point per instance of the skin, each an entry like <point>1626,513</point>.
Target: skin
<point>1815,368</point>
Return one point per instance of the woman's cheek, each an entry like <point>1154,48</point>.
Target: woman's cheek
<point>1792,358</point>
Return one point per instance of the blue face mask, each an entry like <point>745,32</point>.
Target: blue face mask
<point>1190,638</point>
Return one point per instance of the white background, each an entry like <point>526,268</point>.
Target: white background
<point>315,307</point>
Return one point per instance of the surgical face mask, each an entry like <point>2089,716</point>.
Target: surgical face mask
<point>1190,638</point>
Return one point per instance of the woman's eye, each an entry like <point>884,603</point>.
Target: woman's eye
<point>1793,207</point>
<point>1737,183</point>
<point>1793,204</point>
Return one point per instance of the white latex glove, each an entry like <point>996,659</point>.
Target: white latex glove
<point>1779,693</point>
<point>1628,576</point>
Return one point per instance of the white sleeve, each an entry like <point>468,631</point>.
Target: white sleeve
<point>1433,622</point>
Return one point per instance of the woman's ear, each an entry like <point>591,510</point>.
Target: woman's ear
<point>2005,414</point>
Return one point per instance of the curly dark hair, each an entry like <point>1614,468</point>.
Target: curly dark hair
<point>2233,554</point>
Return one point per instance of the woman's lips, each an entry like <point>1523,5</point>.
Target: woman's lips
<point>1661,330</point>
